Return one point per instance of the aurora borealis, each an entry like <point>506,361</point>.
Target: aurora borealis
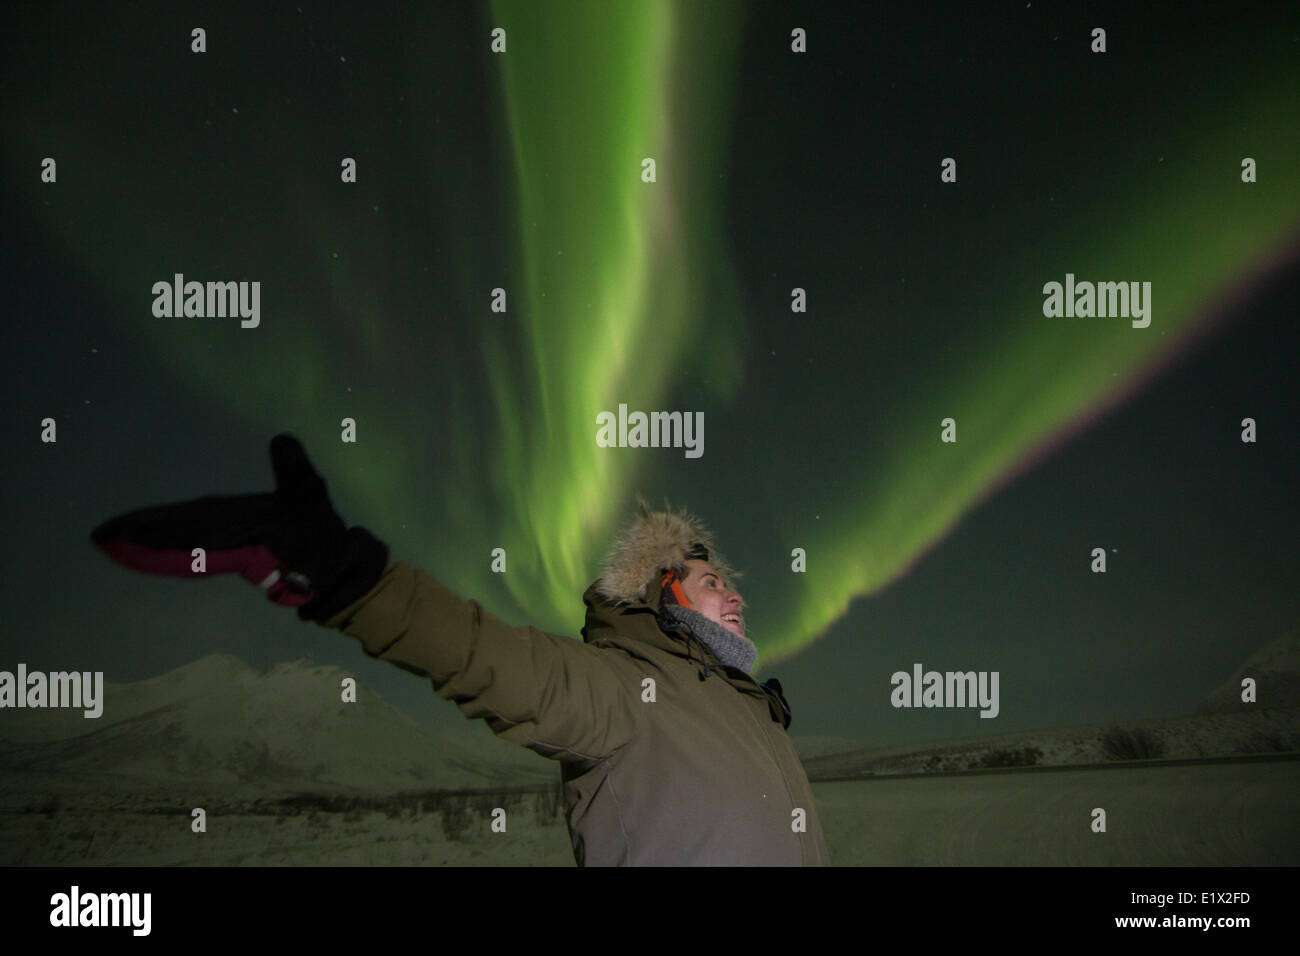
<point>773,171</point>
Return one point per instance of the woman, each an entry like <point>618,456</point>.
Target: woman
<point>671,754</point>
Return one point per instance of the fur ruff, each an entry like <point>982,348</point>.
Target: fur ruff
<point>653,542</point>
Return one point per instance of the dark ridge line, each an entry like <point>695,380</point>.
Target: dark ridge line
<point>1110,765</point>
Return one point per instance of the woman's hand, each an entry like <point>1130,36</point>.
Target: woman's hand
<point>291,542</point>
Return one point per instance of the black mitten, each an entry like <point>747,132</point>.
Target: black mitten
<point>291,542</point>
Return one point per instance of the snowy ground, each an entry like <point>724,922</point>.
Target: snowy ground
<point>255,836</point>
<point>1214,814</point>
<point>289,775</point>
<point>1270,731</point>
<point>1238,813</point>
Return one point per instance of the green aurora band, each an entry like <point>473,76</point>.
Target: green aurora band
<point>612,263</point>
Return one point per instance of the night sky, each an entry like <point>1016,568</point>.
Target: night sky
<point>774,171</point>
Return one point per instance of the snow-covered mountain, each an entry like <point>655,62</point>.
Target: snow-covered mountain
<point>1275,668</point>
<point>218,722</point>
<point>1223,726</point>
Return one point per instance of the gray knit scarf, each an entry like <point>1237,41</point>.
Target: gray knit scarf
<point>732,649</point>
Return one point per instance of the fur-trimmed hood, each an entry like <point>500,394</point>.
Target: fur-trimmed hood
<point>652,542</point>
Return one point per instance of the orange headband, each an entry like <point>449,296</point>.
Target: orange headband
<point>670,579</point>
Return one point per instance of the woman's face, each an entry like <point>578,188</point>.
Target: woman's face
<point>708,595</point>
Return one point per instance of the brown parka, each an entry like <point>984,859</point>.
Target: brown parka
<point>668,757</point>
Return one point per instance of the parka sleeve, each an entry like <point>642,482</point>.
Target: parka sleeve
<point>555,695</point>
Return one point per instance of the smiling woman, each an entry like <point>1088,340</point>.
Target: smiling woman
<point>710,596</point>
<point>698,598</point>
